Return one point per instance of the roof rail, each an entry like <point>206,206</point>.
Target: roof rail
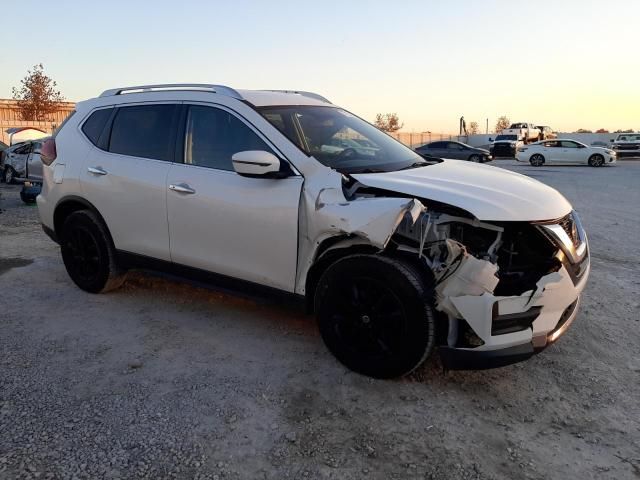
<point>303,93</point>
<point>221,89</point>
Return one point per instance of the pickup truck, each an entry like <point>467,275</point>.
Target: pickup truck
<point>527,132</point>
<point>627,145</point>
<point>505,146</point>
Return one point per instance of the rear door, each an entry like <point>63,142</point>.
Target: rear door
<point>219,221</point>
<point>455,150</point>
<point>435,149</point>
<point>125,175</point>
<point>34,164</point>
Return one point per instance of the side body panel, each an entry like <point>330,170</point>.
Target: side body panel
<point>242,227</point>
<point>131,197</point>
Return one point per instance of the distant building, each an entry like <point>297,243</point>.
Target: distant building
<point>10,118</point>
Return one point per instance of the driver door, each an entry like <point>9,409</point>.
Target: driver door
<point>570,152</point>
<point>223,222</point>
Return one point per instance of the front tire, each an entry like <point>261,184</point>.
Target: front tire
<point>375,315</point>
<point>536,160</point>
<point>88,253</point>
<point>475,158</point>
<point>596,160</point>
<point>9,175</point>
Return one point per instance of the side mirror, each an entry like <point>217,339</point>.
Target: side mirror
<point>256,163</point>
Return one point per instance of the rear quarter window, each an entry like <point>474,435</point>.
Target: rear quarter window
<point>94,125</point>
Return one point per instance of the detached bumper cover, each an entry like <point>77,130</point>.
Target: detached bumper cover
<point>471,359</point>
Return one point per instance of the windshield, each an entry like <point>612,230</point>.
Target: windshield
<point>340,140</point>
<point>629,138</point>
<point>506,137</point>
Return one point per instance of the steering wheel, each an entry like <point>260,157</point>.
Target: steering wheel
<point>348,153</point>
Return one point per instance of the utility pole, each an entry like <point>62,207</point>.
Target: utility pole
<point>487,131</point>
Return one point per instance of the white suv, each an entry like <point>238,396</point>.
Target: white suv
<point>394,253</point>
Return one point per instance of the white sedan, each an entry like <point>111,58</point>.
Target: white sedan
<point>564,151</point>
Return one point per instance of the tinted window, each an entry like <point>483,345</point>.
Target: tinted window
<point>213,136</point>
<point>94,125</point>
<point>566,144</point>
<point>436,145</point>
<point>454,146</point>
<point>143,131</point>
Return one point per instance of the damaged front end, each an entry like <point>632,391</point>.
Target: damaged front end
<point>505,290</point>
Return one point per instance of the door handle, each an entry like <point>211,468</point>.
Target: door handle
<point>97,170</point>
<point>181,188</point>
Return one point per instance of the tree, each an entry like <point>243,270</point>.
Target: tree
<point>628,130</point>
<point>474,128</point>
<point>602,130</point>
<point>583,130</point>
<point>502,123</point>
<point>37,96</point>
<point>389,122</point>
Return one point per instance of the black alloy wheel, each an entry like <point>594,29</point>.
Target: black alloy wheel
<point>375,316</point>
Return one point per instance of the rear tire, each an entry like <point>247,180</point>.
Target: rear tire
<point>88,253</point>
<point>375,315</point>
<point>596,160</point>
<point>536,160</point>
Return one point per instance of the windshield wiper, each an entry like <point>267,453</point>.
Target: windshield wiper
<point>371,170</point>
<point>415,165</point>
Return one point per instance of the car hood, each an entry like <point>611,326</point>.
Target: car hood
<point>488,193</point>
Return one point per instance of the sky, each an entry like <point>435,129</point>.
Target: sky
<point>564,63</point>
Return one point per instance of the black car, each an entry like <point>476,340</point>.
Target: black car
<point>455,150</point>
<point>505,146</point>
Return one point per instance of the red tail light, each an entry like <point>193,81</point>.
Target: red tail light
<point>48,151</point>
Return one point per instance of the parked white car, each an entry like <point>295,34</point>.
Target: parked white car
<point>395,254</point>
<point>565,151</point>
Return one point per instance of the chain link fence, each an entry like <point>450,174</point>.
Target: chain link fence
<point>414,140</point>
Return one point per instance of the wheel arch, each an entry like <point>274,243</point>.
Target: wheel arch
<point>67,205</point>
<point>336,248</point>
<point>328,252</point>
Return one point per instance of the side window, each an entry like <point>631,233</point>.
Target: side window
<point>567,144</point>
<point>94,125</point>
<point>437,145</point>
<point>453,146</point>
<point>213,136</point>
<point>143,131</point>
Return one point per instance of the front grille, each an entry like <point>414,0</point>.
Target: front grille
<point>503,150</point>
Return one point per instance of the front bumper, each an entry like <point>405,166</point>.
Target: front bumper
<point>555,302</point>
<point>471,359</point>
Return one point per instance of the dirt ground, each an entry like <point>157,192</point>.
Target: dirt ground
<point>163,379</point>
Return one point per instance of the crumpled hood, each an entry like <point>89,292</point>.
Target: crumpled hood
<point>489,193</point>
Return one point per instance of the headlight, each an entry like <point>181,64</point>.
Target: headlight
<point>570,236</point>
